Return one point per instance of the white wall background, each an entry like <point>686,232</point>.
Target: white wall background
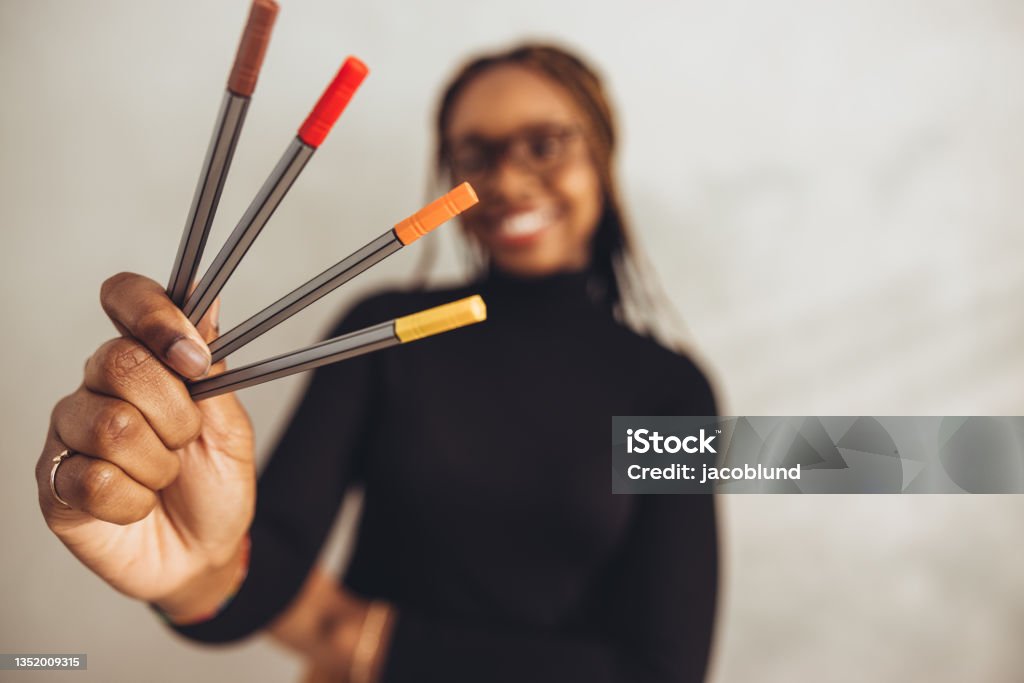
<point>830,193</point>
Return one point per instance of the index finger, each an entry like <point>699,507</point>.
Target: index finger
<point>140,308</point>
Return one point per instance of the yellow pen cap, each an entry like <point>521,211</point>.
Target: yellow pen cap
<point>441,318</point>
<point>435,213</point>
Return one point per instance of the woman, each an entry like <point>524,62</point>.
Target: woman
<point>490,547</point>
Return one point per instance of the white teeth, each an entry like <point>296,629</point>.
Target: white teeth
<point>522,224</point>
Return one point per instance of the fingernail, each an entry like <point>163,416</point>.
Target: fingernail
<point>189,358</point>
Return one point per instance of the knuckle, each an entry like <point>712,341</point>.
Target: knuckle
<point>120,359</point>
<point>188,425</point>
<point>106,496</point>
<point>134,511</point>
<point>98,483</point>
<point>60,408</point>
<point>115,424</point>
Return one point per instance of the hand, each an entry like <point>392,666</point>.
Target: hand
<point>161,488</point>
<point>326,622</point>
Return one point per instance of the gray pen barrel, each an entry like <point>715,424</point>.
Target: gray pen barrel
<point>215,169</point>
<point>303,296</point>
<point>339,348</point>
<point>248,229</point>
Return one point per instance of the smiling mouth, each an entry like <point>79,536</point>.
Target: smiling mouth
<point>524,225</point>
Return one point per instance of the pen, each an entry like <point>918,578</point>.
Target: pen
<point>403,234</point>
<point>402,330</point>
<point>226,130</point>
<point>312,133</point>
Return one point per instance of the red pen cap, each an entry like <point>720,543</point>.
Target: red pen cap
<point>334,100</point>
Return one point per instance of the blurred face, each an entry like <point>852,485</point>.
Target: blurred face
<point>519,139</point>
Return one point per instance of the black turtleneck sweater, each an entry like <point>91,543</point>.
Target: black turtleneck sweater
<point>488,516</point>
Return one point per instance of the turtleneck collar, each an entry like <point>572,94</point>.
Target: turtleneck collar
<point>575,289</point>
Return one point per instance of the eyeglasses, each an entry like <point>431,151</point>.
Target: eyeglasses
<point>539,149</point>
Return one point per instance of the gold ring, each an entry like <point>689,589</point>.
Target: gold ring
<point>57,460</point>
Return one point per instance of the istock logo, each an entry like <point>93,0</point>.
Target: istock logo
<point>648,441</point>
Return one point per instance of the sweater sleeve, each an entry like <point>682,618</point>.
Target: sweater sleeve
<point>665,587</point>
<point>300,491</point>
<point>656,604</point>
<point>665,595</point>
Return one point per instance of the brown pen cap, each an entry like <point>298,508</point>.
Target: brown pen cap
<point>252,47</point>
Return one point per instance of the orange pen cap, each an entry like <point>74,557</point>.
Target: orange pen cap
<point>435,213</point>
<point>441,318</point>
